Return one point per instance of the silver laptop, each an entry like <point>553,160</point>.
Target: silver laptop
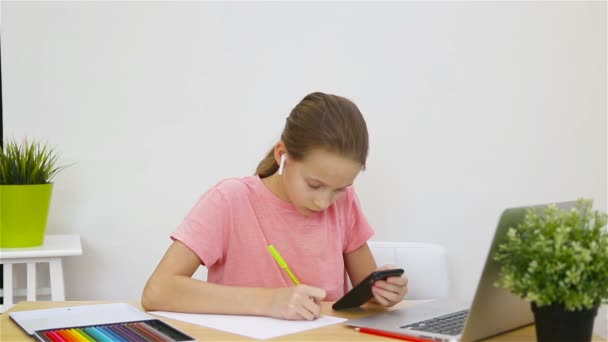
<point>493,311</point>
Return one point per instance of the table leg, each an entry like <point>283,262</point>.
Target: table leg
<point>31,281</point>
<point>56,272</point>
<point>8,285</point>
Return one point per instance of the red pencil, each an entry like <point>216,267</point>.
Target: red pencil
<point>393,335</point>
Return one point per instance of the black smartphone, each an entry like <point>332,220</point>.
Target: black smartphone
<point>361,293</point>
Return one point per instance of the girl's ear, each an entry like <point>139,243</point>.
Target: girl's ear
<point>279,150</point>
<point>280,154</point>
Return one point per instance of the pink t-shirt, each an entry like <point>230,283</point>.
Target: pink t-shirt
<point>232,224</point>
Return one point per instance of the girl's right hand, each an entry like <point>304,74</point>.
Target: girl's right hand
<point>297,303</point>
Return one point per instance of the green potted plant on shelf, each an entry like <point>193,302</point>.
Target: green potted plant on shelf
<point>26,171</point>
<point>557,259</point>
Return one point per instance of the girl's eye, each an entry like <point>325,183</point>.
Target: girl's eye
<point>314,186</point>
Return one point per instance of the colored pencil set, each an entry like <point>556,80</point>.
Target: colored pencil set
<point>143,331</point>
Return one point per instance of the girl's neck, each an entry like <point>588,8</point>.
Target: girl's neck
<point>274,184</point>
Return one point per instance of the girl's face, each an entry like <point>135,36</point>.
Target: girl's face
<point>317,181</point>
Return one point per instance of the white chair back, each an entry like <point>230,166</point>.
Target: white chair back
<point>425,266</point>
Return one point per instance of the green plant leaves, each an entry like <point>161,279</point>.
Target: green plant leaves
<point>557,256</point>
<point>28,163</point>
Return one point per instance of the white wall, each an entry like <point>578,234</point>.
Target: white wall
<point>472,107</point>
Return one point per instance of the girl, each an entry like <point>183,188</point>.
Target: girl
<point>302,202</point>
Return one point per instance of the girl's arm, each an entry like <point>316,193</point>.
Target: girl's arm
<point>172,288</point>
<point>360,263</point>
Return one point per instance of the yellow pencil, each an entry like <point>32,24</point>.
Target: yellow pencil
<point>279,259</point>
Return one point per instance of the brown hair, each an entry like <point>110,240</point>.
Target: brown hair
<point>325,121</point>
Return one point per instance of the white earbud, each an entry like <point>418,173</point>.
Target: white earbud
<point>282,163</point>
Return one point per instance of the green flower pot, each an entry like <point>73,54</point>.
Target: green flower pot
<point>24,211</point>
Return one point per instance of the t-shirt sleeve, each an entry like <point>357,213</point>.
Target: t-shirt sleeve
<point>206,227</point>
<point>359,230</point>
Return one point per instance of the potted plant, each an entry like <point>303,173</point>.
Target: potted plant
<point>557,259</point>
<point>26,171</point>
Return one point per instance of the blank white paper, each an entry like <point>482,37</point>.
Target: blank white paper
<point>257,327</point>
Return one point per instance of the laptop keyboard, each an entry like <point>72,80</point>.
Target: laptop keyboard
<point>450,324</point>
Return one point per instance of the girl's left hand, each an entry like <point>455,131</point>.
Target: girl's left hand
<point>390,291</point>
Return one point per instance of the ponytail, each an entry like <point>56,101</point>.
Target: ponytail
<point>268,166</point>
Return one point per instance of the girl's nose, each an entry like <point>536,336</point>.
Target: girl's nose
<point>321,203</point>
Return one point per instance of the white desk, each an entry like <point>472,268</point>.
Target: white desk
<point>55,247</point>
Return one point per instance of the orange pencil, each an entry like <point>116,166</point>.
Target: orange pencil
<point>65,334</point>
